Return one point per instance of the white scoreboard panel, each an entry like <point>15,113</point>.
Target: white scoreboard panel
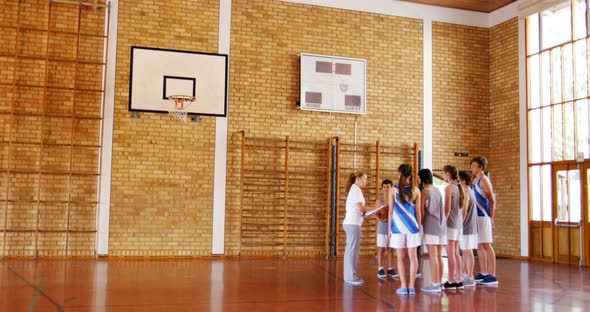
<point>333,84</point>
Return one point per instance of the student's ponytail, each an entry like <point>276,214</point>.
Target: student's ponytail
<point>453,172</point>
<point>405,171</point>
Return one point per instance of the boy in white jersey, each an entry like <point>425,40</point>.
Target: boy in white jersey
<point>383,236</point>
<point>486,206</point>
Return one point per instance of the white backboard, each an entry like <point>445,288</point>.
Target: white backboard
<point>333,84</point>
<point>159,73</point>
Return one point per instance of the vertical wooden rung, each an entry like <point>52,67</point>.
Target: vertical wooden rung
<point>286,195</point>
<point>242,170</point>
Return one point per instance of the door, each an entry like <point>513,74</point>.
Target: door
<point>567,213</point>
<point>586,213</point>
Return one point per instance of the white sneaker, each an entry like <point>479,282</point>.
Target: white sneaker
<point>432,288</point>
<point>468,282</point>
<point>357,281</point>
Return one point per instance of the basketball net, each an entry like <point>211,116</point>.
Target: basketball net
<point>179,104</point>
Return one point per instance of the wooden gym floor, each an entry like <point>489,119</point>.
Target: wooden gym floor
<point>270,285</point>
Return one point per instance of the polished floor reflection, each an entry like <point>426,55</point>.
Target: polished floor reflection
<point>270,285</point>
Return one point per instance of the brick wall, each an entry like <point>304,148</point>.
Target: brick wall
<point>504,135</point>
<point>460,97</point>
<point>162,189</point>
<point>267,38</point>
<point>50,132</point>
<point>162,181</point>
<point>475,110</point>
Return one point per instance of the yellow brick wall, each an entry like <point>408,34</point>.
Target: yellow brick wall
<point>475,110</point>
<point>267,38</point>
<point>504,135</point>
<point>460,97</point>
<point>162,181</point>
<point>162,190</point>
<point>48,147</point>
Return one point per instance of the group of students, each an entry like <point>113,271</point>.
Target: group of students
<point>418,214</point>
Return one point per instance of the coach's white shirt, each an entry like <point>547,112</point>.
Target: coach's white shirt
<point>353,214</point>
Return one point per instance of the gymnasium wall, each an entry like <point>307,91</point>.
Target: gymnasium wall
<point>475,110</point>
<point>266,40</point>
<point>162,172</point>
<point>504,135</point>
<point>460,94</point>
<point>50,118</point>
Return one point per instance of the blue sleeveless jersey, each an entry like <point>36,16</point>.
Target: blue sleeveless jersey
<point>481,200</point>
<point>404,216</point>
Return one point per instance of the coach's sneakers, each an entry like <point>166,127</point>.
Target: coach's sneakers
<point>468,282</point>
<point>479,277</point>
<point>391,272</point>
<point>489,280</point>
<point>381,273</point>
<point>357,281</point>
<point>432,288</point>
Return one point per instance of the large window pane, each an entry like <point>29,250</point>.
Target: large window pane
<point>533,34</point>
<point>547,215</point>
<point>569,136</point>
<point>557,133</point>
<point>546,128</point>
<point>535,136</point>
<point>535,189</point>
<point>569,197</point>
<point>546,78</point>
<point>568,73</point>
<point>556,76</point>
<point>583,129</point>
<point>534,82</point>
<point>556,25</point>
<point>579,19</point>
<point>581,61</point>
<point>575,196</point>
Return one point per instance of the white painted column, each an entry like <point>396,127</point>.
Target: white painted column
<point>106,157</point>
<point>524,198</point>
<point>220,173</point>
<point>427,89</point>
<point>101,280</point>
<point>216,290</point>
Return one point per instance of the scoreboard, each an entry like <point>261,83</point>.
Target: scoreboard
<point>333,84</point>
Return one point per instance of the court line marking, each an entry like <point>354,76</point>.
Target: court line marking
<point>36,296</point>
<point>364,291</point>
<point>38,289</point>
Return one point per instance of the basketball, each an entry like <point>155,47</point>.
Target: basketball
<point>383,213</point>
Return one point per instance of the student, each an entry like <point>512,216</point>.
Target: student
<point>454,197</point>
<point>383,236</point>
<point>435,227</point>
<point>404,216</point>
<point>355,207</point>
<point>486,206</point>
<point>468,240</point>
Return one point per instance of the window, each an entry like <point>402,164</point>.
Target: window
<point>557,95</point>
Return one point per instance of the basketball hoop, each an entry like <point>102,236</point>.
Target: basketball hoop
<point>179,104</point>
